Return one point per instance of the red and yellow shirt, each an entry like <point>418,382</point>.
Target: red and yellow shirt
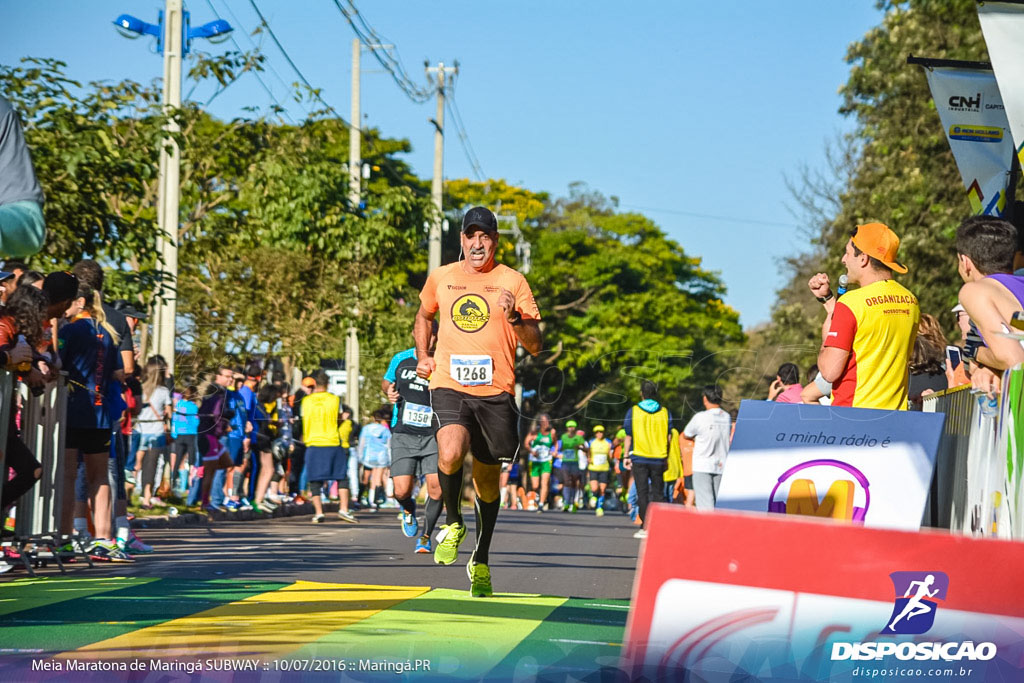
<point>877,324</point>
<point>471,323</point>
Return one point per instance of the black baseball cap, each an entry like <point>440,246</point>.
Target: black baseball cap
<point>479,216</point>
<point>60,286</point>
<point>126,308</point>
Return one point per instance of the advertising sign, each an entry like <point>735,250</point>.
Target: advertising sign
<point>974,121</point>
<point>871,467</point>
<point>727,596</point>
<point>1003,26</point>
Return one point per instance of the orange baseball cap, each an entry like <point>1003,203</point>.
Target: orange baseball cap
<point>308,382</point>
<point>878,241</point>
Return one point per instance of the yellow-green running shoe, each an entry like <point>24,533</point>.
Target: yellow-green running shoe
<point>480,576</point>
<point>449,538</point>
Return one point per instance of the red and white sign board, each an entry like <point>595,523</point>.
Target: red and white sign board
<point>778,597</point>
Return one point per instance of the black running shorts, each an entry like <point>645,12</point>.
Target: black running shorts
<point>492,421</point>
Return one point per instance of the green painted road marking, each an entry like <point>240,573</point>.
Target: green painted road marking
<point>90,618</point>
<point>26,594</point>
<point>460,636</point>
<point>576,639</point>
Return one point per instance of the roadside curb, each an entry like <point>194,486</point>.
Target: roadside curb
<point>193,519</point>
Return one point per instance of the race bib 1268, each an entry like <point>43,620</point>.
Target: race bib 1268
<point>472,371</point>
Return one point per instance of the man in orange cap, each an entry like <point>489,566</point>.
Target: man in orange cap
<point>869,334</point>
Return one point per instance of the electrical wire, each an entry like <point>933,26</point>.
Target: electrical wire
<point>713,217</point>
<point>298,72</point>
<point>270,66</point>
<point>383,161</point>
<point>254,72</point>
<point>463,135</point>
<point>373,41</point>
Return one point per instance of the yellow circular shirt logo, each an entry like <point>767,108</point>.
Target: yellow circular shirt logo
<point>470,312</point>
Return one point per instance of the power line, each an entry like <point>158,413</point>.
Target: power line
<point>383,160</point>
<point>460,129</point>
<point>254,72</point>
<point>713,217</point>
<point>315,92</point>
<point>270,66</point>
<point>374,42</point>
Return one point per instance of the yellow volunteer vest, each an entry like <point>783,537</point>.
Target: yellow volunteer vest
<point>650,433</point>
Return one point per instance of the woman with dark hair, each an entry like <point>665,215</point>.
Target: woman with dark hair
<point>21,340</point>
<point>927,362</point>
<point>31,278</point>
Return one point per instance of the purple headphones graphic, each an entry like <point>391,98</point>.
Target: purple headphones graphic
<point>858,513</point>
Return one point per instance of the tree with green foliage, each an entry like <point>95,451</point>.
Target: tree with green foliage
<point>895,168</point>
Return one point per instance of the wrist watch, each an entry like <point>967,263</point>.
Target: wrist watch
<point>824,299</point>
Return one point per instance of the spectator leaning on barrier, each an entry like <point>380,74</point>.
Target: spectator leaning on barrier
<point>868,336</point>
<point>991,294</point>
<point>22,229</point>
<point>21,339</point>
<point>786,387</point>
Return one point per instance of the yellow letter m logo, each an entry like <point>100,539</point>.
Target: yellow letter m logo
<point>837,503</point>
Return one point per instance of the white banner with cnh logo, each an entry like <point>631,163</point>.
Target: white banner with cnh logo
<point>974,121</point>
<point>1003,26</point>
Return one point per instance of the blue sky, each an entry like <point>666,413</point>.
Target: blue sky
<point>675,107</point>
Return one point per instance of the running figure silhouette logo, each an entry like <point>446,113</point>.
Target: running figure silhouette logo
<point>917,598</point>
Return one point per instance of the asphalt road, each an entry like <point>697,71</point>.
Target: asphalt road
<point>553,553</point>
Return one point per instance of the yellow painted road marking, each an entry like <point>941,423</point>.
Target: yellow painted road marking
<point>265,626</point>
<point>459,636</point>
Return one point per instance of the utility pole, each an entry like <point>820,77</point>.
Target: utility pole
<point>355,164</point>
<point>437,185</point>
<point>354,139</point>
<point>166,310</point>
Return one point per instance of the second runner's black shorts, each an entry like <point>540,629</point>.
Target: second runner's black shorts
<point>492,421</point>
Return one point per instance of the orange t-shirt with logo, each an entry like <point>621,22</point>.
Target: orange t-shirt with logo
<point>472,327</point>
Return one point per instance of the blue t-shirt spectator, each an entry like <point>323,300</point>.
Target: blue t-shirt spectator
<point>90,357</point>
<point>186,418</point>
<point>236,404</point>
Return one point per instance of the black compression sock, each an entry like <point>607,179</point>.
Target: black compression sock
<point>378,495</point>
<point>451,494</point>
<point>434,508</point>
<point>408,504</point>
<point>486,518</point>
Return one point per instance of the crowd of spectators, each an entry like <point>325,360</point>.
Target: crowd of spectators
<point>879,351</point>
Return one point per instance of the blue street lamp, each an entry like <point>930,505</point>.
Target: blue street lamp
<point>133,27</point>
<point>172,27</point>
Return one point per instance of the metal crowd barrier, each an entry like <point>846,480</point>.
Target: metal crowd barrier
<point>42,430</point>
<point>977,487</point>
<point>6,391</point>
<point>37,513</point>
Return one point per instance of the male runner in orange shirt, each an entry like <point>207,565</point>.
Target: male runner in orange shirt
<point>485,309</point>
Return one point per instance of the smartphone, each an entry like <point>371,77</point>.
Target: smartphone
<point>953,354</point>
